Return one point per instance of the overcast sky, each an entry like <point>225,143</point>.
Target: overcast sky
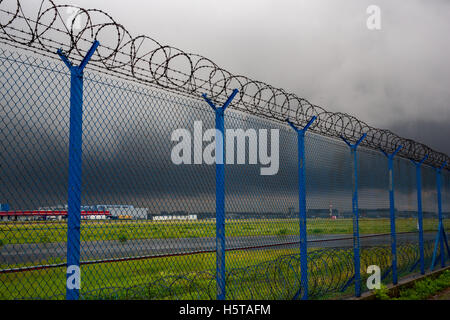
<point>396,78</point>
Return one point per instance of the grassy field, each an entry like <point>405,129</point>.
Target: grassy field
<point>421,290</point>
<point>47,232</point>
<point>50,282</point>
<point>255,274</point>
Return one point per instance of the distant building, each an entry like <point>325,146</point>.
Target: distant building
<point>125,211</point>
<point>117,211</point>
<point>178,217</point>
<point>39,215</point>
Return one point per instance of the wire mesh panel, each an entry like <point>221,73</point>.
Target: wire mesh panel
<point>261,194</point>
<point>374,211</point>
<point>430,210</point>
<point>140,164</point>
<point>33,175</point>
<point>405,197</point>
<point>407,226</point>
<point>328,187</point>
<point>148,196</point>
<point>147,220</point>
<point>329,215</point>
<point>429,199</point>
<point>445,178</point>
<point>446,199</point>
<point>373,192</point>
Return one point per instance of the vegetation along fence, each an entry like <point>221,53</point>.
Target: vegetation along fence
<point>133,170</point>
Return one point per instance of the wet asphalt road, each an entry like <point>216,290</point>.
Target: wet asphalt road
<point>111,249</point>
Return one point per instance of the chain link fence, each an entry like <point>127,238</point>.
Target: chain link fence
<point>150,216</point>
<point>148,228</point>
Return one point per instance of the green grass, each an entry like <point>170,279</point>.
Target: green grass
<point>48,282</point>
<point>421,290</point>
<point>270,274</point>
<point>47,232</point>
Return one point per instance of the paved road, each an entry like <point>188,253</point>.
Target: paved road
<point>111,249</point>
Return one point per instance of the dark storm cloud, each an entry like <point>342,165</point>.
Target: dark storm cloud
<point>434,133</point>
<point>127,146</point>
<point>320,50</point>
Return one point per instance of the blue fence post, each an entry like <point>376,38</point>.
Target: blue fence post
<point>440,236</point>
<point>73,281</point>
<point>356,243</point>
<point>419,210</point>
<point>392,213</point>
<point>220,194</point>
<point>441,222</point>
<point>302,205</point>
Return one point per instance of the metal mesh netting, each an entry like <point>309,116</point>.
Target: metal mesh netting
<point>446,199</point>
<point>127,183</point>
<point>46,26</point>
<point>429,199</point>
<point>405,196</point>
<point>148,228</point>
<point>328,187</point>
<point>373,185</point>
<point>32,133</point>
<point>261,210</point>
<point>446,202</point>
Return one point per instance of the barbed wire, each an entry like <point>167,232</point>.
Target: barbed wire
<point>145,60</point>
<point>330,271</point>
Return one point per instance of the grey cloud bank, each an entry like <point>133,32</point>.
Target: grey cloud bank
<point>396,78</point>
<point>320,50</point>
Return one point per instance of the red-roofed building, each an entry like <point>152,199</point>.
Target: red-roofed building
<point>50,215</point>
